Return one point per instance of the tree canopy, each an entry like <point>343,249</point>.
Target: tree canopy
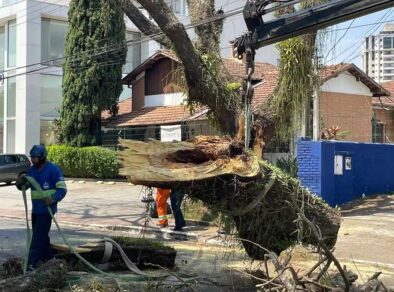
<point>96,51</point>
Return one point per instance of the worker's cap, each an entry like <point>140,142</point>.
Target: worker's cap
<point>38,151</point>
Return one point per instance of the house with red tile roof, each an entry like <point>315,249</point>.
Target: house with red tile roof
<point>345,101</point>
<point>158,108</point>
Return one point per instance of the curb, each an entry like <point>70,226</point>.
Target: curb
<point>97,181</point>
<point>135,230</point>
<point>124,180</point>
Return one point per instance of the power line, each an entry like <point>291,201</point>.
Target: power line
<point>344,34</point>
<point>372,31</point>
<point>374,27</point>
<point>142,39</point>
<point>117,47</point>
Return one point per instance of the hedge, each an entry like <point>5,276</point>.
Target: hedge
<point>87,162</point>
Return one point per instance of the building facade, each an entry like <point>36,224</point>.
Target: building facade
<point>32,39</point>
<point>378,55</point>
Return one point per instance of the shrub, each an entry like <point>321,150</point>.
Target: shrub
<point>87,162</point>
<point>288,165</point>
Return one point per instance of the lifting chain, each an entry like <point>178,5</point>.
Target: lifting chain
<point>250,54</point>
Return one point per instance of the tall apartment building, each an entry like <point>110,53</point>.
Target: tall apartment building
<point>33,32</point>
<point>378,55</point>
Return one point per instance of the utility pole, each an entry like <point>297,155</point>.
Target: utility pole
<point>316,100</point>
<point>305,119</point>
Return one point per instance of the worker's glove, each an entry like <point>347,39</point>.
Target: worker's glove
<point>48,201</point>
<point>22,181</point>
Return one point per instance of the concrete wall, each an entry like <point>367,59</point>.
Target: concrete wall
<point>343,171</point>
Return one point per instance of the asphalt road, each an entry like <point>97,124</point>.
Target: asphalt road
<point>87,203</point>
<point>365,241</point>
<point>13,237</point>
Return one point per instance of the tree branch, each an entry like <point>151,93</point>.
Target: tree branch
<point>204,86</point>
<point>209,33</point>
<point>143,23</point>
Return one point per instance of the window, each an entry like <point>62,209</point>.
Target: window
<point>1,118</point>
<point>53,38</point>
<point>50,103</point>
<point>11,97</point>
<point>2,47</point>
<point>51,95</point>
<point>133,58</point>
<point>47,132</point>
<point>11,110</point>
<point>387,43</point>
<point>10,159</point>
<point>178,6</point>
<point>11,43</point>
<point>378,133</point>
<point>22,158</point>
<point>10,136</point>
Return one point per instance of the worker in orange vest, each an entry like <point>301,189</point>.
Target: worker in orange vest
<point>162,196</point>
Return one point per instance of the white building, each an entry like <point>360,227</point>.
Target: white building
<point>378,55</point>
<point>33,32</point>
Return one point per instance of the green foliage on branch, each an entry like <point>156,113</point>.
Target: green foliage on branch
<point>87,162</point>
<point>296,84</point>
<point>298,78</point>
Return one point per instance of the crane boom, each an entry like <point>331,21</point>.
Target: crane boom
<point>320,16</point>
<point>291,25</point>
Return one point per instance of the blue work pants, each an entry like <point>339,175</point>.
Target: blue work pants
<point>40,247</point>
<point>176,198</point>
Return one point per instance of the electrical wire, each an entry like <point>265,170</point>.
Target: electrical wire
<point>359,42</point>
<point>118,47</point>
<point>341,38</point>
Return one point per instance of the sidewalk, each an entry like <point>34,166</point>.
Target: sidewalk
<point>366,236</point>
<point>99,206</point>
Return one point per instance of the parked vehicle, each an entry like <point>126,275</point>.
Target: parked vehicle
<point>12,166</point>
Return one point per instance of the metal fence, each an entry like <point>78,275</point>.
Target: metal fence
<point>189,130</point>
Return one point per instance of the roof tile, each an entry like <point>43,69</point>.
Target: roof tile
<point>385,101</point>
<point>159,115</point>
<point>125,106</point>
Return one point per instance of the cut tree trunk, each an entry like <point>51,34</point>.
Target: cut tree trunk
<point>258,196</point>
<point>141,255</point>
<point>49,276</point>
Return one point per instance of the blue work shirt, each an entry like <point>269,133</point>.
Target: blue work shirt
<point>50,177</point>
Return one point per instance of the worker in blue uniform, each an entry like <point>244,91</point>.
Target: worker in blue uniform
<point>50,189</point>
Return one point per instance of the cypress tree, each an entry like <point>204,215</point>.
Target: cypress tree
<point>92,72</point>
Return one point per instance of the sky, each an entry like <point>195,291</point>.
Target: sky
<point>343,42</point>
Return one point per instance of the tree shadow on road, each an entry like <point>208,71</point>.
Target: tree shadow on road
<point>381,204</point>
